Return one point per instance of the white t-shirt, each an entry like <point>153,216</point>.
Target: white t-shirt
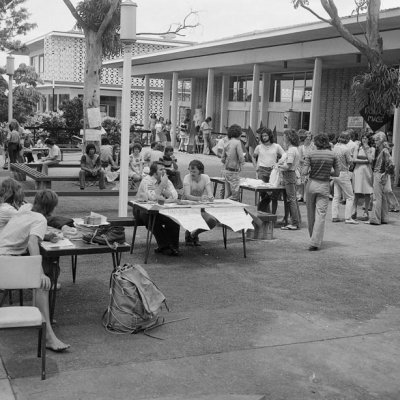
<point>268,154</point>
<point>54,151</point>
<point>196,188</point>
<point>7,211</point>
<point>14,237</point>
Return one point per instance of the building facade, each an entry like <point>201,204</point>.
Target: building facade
<point>59,58</point>
<point>298,76</point>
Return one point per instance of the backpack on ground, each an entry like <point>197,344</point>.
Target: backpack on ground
<point>135,301</point>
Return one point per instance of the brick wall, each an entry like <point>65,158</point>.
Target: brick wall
<point>337,102</point>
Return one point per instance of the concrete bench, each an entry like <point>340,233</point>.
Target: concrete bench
<point>42,181</point>
<point>39,165</point>
<point>263,225</point>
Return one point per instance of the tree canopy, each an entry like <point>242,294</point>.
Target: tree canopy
<point>13,23</point>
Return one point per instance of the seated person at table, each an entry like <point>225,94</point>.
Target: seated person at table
<point>11,198</point>
<point>54,156</point>
<point>153,187</point>
<point>171,167</point>
<point>197,187</point>
<point>23,234</point>
<point>90,167</point>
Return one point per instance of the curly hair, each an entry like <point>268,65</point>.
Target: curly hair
<point>235,131</point>
<point>292,137</point>
<point>269,133</point>
<point>197,164</point>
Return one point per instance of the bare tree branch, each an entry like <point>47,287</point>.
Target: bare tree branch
<point>179,27</point>
<point>75,14</point>
<point>104,24</point>
<point>302,5</point>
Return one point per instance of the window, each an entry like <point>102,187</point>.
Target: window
<point>41,64</point>
<point>63,97</point>
<point>241,88</point>
<point>291,88</point>
<point>184,90</point>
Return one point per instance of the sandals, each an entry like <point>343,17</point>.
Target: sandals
<point>290,228</point>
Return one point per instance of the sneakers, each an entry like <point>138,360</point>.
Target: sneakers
<point>337,220</point>
<point>351,221</point>
<point>313,248</point>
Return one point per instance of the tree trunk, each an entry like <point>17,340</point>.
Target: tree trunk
<point>94,54</point>
<point>92,76</point>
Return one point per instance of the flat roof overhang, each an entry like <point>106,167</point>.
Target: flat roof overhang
<point>298,45</point>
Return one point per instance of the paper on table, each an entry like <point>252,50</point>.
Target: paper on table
<point>188,218</point>
<point>234,218</point>
<point>58,245</point>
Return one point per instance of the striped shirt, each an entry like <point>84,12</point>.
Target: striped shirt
<point>320,164</point>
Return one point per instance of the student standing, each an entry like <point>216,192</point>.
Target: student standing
<point>318,164</point>
<point>233,159</point>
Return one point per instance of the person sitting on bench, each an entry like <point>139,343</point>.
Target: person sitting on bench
<point>171,167</point>
<point>53,158</point>
<point>90,167</point>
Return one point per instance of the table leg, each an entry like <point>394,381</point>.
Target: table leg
<point>150,227</point>
<point>134,233</point>
<point>244,243</point>
<point>74,259</point>
<point>53,288</point>
<point>224,229</point>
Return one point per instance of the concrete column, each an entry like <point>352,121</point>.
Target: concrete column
<point>174,108</point>
<point>254,98</point>
<point>146,105</point>
<point>167,99</point>
<point>224,104</point>
<point>210,94</point>
<point>266,83</point>
<point>316,97</point>
<point>396,145</point>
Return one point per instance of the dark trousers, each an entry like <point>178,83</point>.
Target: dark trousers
<point>165,231</point>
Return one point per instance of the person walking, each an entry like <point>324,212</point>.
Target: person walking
<point>14,141</point>
<point>342,184</point>
<point>318,164</point>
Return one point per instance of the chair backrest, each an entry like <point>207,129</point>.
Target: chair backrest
<point>20,272</point>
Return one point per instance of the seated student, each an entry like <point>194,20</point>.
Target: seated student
<point>54,156</point>
<point>197,187</point>
<point>171,167</point>
<point>11,198</point>
<point>153,187</point>
<point>27,148</point>
<point>106,153</point>
<point>135,172</point>
<point>23,233</point>
<point>90,167</point>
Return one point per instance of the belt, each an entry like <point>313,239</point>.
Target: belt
<point>232,169</point>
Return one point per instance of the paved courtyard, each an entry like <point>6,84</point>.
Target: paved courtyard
<point>284,323</point>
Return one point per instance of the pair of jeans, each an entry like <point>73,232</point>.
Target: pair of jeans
<point>289,181</point>
<point>232,185</point>
<point>380,208</point>
<point>342,187</point>
<point>317,207</point>
<point>264,173</point>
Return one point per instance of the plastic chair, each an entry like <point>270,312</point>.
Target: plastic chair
<point>23,273</point>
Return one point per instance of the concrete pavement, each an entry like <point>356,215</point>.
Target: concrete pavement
<point>284,323</point>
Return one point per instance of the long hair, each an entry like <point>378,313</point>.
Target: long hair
<point>11,192</point>
<point>321,142</point>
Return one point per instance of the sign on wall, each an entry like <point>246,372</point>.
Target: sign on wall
<point>355,122</point>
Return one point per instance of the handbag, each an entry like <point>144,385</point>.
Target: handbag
<point>58,221</point>
<point>106,235</point>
